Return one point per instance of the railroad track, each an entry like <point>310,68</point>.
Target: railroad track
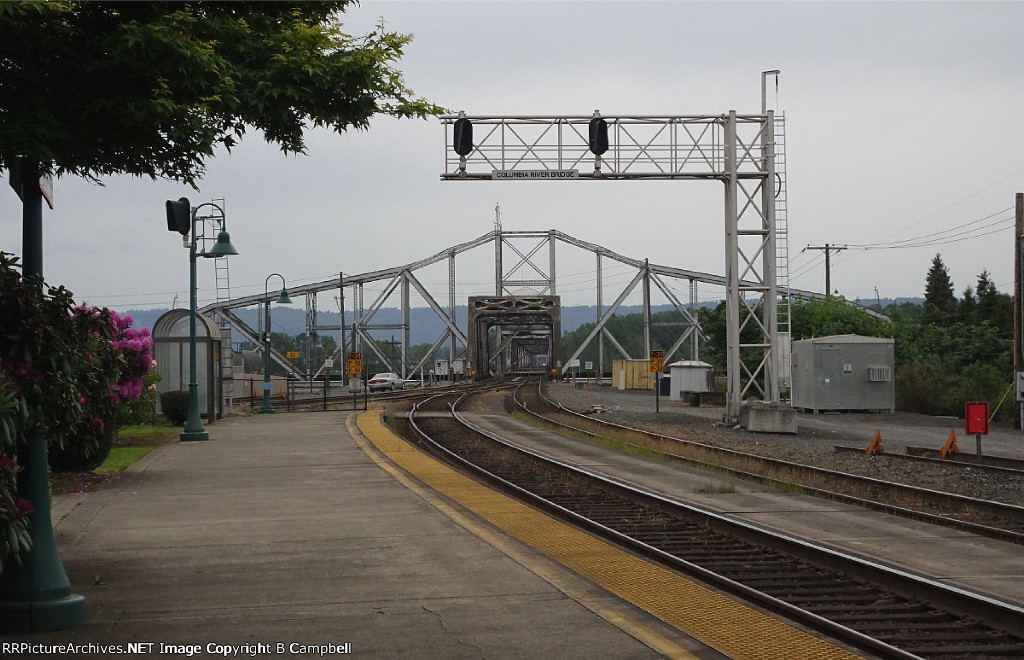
<point>983,517</point>
<point>873,607</point>
<point>987,463</point>
<point>350,401</point>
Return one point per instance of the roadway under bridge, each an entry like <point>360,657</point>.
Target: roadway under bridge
<point>525,278</point>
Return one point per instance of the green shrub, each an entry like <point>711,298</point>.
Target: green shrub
<point>938,389</point>
<point>174,405</point>
<point>985,382</point>
<point>928,389</point>
<point>67,455</point>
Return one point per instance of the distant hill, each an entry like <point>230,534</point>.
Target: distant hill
<point>426,326</point>
<point>885,302</point>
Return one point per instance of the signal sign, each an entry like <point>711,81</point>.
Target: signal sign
<point>657,362</point>
<point>355,363</point>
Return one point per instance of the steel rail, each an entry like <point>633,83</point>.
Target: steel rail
<point>921,455</point>
<point>1001,509</point>
<point>956,599</point>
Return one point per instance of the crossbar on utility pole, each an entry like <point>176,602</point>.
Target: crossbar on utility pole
<point>828,249</point>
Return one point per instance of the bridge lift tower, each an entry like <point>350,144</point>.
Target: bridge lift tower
<point>736,149</point>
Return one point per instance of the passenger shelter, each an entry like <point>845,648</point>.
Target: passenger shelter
<point>171,352</point>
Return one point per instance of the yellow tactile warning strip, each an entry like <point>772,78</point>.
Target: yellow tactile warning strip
<point>710,617</point>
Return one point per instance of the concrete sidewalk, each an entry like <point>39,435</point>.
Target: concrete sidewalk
<point>281,531</point>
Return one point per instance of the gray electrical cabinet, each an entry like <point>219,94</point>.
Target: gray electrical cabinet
<point>844,372</point>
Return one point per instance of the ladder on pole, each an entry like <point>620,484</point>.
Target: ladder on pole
<point>227,359</point>
<point>782,256</point>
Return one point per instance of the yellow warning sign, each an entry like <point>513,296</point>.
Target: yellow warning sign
<point>657,362</point>
<point>355,363</point>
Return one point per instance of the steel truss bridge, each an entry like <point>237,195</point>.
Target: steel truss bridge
<point>525,265</point>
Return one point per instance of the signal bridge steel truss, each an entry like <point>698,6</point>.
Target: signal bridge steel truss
<point>738,150</point>
<point>532,252</point>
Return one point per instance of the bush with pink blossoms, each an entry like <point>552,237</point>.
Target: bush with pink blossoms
<point>64,368</point>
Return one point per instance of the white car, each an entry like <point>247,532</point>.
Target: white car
<point>386,381</point>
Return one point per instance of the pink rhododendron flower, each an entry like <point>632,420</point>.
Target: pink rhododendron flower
<point>22,507</point>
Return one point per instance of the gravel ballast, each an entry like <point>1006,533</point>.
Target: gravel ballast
<point>814,444</point>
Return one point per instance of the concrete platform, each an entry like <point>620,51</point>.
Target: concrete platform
<point>281,530</point>
<point>988,566</point>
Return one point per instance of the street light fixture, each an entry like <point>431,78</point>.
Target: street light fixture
<point>266,408</point>
<point>177,213</point>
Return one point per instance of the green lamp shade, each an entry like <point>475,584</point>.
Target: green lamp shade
<point>223,247</point>
<point>284,299</point>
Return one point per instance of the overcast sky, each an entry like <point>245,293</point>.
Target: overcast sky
<point>903,122</point>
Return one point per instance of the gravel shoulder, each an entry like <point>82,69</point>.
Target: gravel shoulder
<point>815,442</point>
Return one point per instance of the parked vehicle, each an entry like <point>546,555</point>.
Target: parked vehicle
<point>386,381</point>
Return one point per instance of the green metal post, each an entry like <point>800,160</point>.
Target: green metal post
<point>35,595</point>
<point>194,424</point>
<point>267,408</point>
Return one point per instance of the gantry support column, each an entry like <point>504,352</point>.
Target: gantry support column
<point>732,274</point>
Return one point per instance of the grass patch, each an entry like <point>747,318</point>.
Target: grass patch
<point>120,458</point>
<point>147,431</point>
<point>146,435</point>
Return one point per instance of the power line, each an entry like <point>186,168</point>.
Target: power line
<point>934,238</point>
<point>946,208</point>
<point>942,242</point>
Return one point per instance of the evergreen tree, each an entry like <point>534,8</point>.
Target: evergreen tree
<point>967,309</point>
<point>939,299</point>
<point>994,307</point>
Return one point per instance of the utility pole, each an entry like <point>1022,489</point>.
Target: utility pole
<point>828,249</point>
<point>1018,305</point>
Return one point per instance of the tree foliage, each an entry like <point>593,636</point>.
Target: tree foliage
<point>834,316</point>
<point>939,299</point>
<point>152,88</point>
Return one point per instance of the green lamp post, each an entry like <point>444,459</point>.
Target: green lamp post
<point>178,218</point>
<point>35,593</point>
<point>266,408</point>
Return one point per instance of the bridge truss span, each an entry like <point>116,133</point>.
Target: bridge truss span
<point>525,265</point>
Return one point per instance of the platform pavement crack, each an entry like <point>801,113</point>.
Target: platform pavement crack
<point>440,621</point>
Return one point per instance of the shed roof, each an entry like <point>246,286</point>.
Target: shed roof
<point>691,363</point>
<point>846,339</point>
